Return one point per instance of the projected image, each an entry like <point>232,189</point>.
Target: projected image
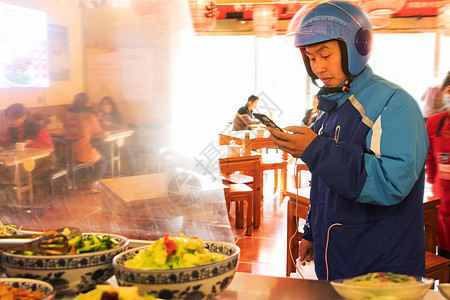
<point>23,47</point>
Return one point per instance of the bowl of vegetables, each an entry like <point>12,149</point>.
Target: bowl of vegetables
<point>6,230</point>
<point>178,267</point>
<point>88,263</point>
<point>382,285</point>
<point>23,288</point>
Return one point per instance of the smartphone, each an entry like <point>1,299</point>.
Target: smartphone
<point>267,121</point>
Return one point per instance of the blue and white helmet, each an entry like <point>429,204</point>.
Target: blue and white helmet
<point>341,21</point>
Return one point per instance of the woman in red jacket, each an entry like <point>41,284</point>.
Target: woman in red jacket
<point>23,129</point>
<point>438,167</point>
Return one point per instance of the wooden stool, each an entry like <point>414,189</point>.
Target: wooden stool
<point>240,193</point>
<point>437,267</point>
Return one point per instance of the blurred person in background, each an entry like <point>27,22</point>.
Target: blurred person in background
<point>438,167</point>
<point>81,125</point>
<point>366,154</point>
<point>311,114</point>
<point>433,101</point>
<point>108,115</point>
<point>244,115</point>
<point>22,128</point>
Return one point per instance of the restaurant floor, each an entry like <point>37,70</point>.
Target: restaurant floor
<point>264,252</point>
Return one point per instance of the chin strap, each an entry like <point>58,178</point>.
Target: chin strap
<point>330,90</point>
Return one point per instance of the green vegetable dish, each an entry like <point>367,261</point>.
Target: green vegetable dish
<point>85,244</point>
<point>173,253</point>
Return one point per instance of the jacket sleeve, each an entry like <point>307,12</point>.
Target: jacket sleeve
<point>430,162</point>
<point>43,140</point>
<point>398,146</point>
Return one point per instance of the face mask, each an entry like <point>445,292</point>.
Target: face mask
<point>446,100</point>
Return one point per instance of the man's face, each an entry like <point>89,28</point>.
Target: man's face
<point>16,122</point>
<point>325,60</point>
<point>253,105</point>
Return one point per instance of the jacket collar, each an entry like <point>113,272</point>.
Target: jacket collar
<point>329,102</point>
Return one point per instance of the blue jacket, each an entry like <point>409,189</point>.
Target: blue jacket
<point>367,166</point>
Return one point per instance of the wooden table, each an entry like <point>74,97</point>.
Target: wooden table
<point>121,194</point>
<point>250,164</point>
<point>113,137</point>
<point>115,140</point>
<point>257,143</point>
<point>9,158</point>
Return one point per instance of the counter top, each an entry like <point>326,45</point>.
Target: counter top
<point>247,286</point>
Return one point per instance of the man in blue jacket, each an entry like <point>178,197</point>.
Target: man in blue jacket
<point>366,154</point>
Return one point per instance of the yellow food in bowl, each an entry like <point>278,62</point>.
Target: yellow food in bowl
<point>112,292</point>
<point>173,253</point>
<point>381,279</point>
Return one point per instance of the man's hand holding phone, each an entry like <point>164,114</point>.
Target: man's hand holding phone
<point>294,143</point>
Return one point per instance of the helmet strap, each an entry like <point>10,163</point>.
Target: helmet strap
<point>308,66</point>
<point>338,89</point>
<point>344,58</point>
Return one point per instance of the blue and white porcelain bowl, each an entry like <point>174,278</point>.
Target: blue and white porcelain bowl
<point>69,273</point>
<point>6,230</point>
<point>31,284</point>
<point>197,283</point>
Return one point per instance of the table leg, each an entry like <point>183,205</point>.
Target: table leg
<point>257,207</point>
<point>30,187</point>
<point>18,184</point>
<point>112,158</point>
<point>118,161</point>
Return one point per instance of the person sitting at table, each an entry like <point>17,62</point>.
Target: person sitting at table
<point>242,120</point>
<point>80,125</point>
<point>108,115</point>
<point>24,129</point>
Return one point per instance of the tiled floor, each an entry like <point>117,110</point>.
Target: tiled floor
<point>262,253</point>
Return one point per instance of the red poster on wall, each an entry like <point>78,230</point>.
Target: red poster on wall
<point>421,8</point>
<point>287,10</point>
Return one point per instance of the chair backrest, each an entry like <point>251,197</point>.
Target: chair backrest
<point>250,164</point>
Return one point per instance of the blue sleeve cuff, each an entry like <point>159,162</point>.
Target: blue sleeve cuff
<point>306,156</point>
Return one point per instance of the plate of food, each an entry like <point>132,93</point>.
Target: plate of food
<point>382,285</point>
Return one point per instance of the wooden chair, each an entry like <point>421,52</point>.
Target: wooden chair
<point>75,166</point>
<point>299,167</point>
<point>437,267</point>
<point>61,169</point>
<point>240,192</point>
<point>297,208</point>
